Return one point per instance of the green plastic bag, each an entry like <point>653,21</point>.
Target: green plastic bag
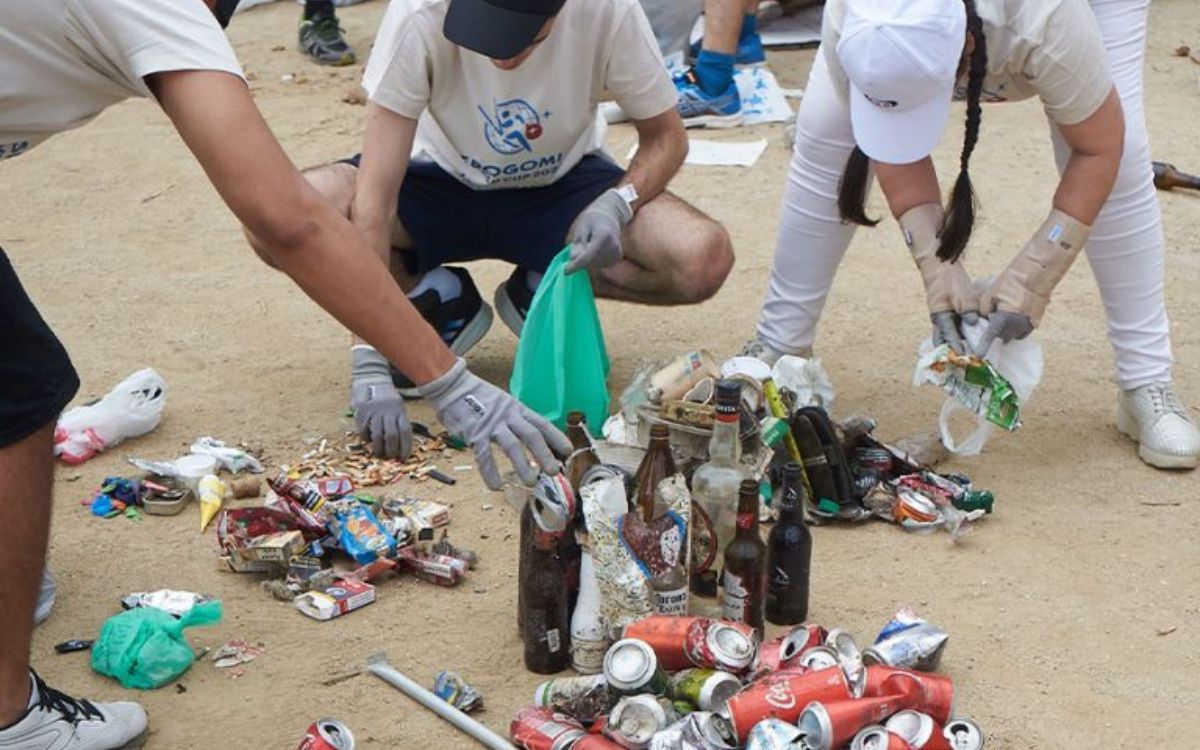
<point>561,364</point>
<point>144,648</point>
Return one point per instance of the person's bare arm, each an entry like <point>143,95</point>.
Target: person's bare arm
<point>387,146</point>
<point>306,238</point>
<point>662,147</point>
<point>1096,144</point>
<point>906,186</point>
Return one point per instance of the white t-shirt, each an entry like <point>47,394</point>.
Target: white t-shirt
<point>494,128</point>
<point>62,62</point>
<point>1050,49</point>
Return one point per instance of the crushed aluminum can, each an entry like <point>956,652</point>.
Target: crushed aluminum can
<point>635,720</point>
<point>453,689</point>
<point>584,698</point>
<point>784,651</point>
<point>963,734</point>
<point>631,667</point>
<point>705,689</point>
<point>818,657</point>
<point>908,642</point>
<point>174,603</point>
<point>833,724</point>
<point>682,642</point>
<point>932,694</point>
<point>535,728</point>
<point>438,569</point>
<point>878,738</point>
<point>784,695</point>
<point>919,730</point>
<point>849,655</point>
<point>327,734</point>
<point>773,734</point>
<point>553,502</point>
<point>699,730</point>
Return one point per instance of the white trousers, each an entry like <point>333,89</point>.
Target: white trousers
<point>1125,250</point>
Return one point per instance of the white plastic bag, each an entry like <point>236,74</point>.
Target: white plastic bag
<point>807,381</point>
<point>1020,362</point>
<point>131,409</point>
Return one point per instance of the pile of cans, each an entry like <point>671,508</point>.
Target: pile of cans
<point>694,683</point>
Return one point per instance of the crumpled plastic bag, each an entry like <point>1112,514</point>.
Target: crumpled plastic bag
<point>145,648</point>
<point>1019,362</point>
<point>233,459</point>
<point>805,378</point>
<point>131,409</point>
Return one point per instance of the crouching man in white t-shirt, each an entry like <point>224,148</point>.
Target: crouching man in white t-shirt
<point>62,62</point>
<point>483,141</point>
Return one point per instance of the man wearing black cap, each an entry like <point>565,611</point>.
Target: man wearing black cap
<point>64,62</point>
<point>483,141</point>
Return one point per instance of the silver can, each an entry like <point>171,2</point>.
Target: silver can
<point>733,650</point>
<point>584,698</point>
<point>773,734</point>
<point>963,734</point>
<point>552,502</point>
<point>874,737</point>
<point>818,657</point>
<point>918,647</point>
<point>914,727</point>
<point>631,667</point>
<point>699,730</point>
<point>635,720</point>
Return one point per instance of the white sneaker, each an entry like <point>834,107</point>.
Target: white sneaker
<point>763,351</point>
<point>1153,416</point>
<point>56,721</point>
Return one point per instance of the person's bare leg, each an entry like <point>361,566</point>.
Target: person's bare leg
<point>674,255</point>
<point>723,24</point>
<point>336,183</point>
<point>26,474</point>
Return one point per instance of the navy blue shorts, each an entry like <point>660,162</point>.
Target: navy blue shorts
<point>37,379</point>
<point>450,222</point>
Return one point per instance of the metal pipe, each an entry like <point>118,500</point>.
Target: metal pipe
<point>377,664</point>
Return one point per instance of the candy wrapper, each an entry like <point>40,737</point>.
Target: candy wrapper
<point>974,383</point>
<point>359,533</point>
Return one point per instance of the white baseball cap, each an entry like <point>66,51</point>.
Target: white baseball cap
<point>902,58</point>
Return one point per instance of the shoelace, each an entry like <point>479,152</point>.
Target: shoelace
<point>73,710</point>
<point>1165,401</point>
<point>327,29</point>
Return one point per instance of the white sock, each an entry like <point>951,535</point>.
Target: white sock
<point>443,280</point>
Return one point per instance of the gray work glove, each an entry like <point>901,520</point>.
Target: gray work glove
<point>595,236</point>
<point>1006,326</point>
<point>480,413</point>
<point>379,416</point>
<point>946,328</point>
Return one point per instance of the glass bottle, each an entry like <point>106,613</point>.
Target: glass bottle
<point>657,465</point>
<point>789,554</point>
<point>715,491</point>
<point>744,579</point>
<point>544,609</point>
<point>583,457</point>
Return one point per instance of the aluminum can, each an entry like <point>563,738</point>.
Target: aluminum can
<point>784,651</point>
<point>584,698</point>
<point>773,734</point>
<point>635,720</point>
<point>705,689</point>
<point>595,742</point>
<point>831,725</point>
<point>877,738</point>
<point>699,730</point>
<point>818,657</point>
<point>918,647</point>
<point>848,653</point>
<point>536,728</point>
<point>682,642</point>
<point>919,730</point>
<point>327,734</point>
<point>936,692</point>
<point>553,502</point>
<point>963,734</point>
<point>784,695</point>
<point>631,667</point>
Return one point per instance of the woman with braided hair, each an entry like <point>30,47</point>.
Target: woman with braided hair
<point>878,100</point>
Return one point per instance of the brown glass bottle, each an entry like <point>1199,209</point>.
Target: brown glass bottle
<point>583,456</point>
<point>789,554</point>
<point>1166,177</point>
<point>657,465</point>
<point>744,581</point>
<point>544,608</point>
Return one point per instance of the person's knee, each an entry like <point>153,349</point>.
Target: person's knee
<point>709,261</point>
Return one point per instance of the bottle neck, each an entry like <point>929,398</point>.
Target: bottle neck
<point>724,447</point>
<point>791,503</point>
<point>747,515</point>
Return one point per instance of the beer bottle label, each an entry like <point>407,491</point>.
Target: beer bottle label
<point>745,520</point>
<point>733,601</point>
<point>553,641</point>
<point>671,602</point>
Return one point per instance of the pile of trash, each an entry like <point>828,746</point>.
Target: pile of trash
<point>694,683</point>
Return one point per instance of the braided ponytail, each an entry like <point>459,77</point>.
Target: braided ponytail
<point>960,214</point>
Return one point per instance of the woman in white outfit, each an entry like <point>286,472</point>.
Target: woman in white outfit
<point>879,96</point>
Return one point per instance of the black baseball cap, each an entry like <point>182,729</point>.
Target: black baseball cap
<point>499,29</point>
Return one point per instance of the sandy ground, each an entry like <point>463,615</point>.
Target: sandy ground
<point>1073,611</point>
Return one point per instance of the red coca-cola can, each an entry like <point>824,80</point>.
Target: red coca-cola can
<point>537,728</point>
<point>919,730</point>
<point>595,742</point>
<point>784,695</point>
<point>830,725</point>
<point>682,642</point>
<point>936,696</point>
<point>878,738</point>
<point>327,734</point>
<point>784,651</point>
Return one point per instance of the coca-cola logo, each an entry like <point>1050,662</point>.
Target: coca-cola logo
<point>779,695</point>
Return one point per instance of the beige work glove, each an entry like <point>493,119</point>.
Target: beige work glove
<point>1016,301</point>
<point>948,290</point>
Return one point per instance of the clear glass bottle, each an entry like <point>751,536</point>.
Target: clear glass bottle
<point>715,491</point>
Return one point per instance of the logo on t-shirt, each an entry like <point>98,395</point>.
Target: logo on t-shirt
<point>511,126</point>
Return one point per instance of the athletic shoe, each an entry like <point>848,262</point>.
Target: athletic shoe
<point>461,321</point>
<point>513,299</point>
<point>760,350</point>
<point>700,110</point>
<point>1153,417</point>
<point>750,52</point>
<point>321,39</point>
<point>47,595</point>
<point>56,721</point>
